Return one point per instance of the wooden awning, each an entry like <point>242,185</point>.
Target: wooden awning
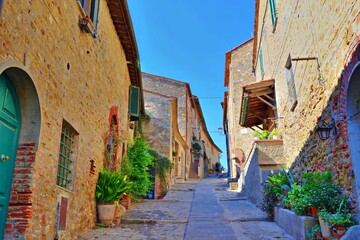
<point>258,101</point>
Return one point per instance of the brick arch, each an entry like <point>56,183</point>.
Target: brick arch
<point>342,104</point>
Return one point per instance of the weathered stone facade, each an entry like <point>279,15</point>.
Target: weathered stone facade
<point>319,42</point>
<point>238,73</point>
<point>62,73</point>
<point>187,122</point>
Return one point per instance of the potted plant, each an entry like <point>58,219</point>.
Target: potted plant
<point>261,135</point>
<point>315,233</point>
<point>110,187</point>
<point>336,224</point>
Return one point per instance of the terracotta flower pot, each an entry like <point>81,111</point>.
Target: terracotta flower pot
<point>311,211</point>
<point>126,201</point>
<point>338,230</point>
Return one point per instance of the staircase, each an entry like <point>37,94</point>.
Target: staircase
<point>193,172</point>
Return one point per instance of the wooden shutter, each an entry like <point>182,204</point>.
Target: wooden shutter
<point>134,103</point>
<point>291,84</point>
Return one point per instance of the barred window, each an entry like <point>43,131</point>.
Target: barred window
<point>66,165</point>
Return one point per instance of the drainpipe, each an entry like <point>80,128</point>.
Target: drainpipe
<point>227,148</point>
<point>57,222</point>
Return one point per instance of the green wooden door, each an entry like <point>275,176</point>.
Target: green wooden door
<point>9,136</point>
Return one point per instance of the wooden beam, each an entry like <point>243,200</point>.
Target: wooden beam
<point>273,107</point>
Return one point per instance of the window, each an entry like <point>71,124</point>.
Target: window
<point>291,83</point>
<point>66,163</point>
<point>134,103</point>
<point>272,4</point>
<point>261,60</point>
<point>91,9</point>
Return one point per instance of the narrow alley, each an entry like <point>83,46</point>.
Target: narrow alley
<point>196,209</point>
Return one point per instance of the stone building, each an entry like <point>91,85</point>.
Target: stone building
<point>161,131</point>
<point>210,151</point>
<point>310,51</point>
<point>238,73</point>
<point>160,91</point>
<point>66,70</point>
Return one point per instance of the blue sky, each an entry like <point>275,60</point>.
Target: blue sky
<point>187,40</point>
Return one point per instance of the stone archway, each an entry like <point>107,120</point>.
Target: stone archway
<point>353,121</point>
<point>20,205</point>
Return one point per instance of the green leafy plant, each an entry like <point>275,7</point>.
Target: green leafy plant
<point>341,217</point>
<point>315,233</point>
<point>196,149</point>
<point>274,132</point>
<point>261,135</point>
<point>276,187</point>
<point>162,166</point>
<point>111,186</point>
<point>135,165</point>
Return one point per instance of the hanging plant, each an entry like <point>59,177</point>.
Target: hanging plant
<point>196,150</point>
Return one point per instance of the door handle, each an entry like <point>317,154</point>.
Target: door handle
<point>4,158</point>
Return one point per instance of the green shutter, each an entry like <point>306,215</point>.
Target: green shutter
<point>134,103</point>
<point>261,63</point>
<point>273,11</point>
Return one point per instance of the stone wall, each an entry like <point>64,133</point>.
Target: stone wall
<point>77,78</point>
<point>240,74</point>
<point>320,37</point>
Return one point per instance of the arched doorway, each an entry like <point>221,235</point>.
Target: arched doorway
<point>353,116</point>
<point>26,103</point>
<point>10,123</point>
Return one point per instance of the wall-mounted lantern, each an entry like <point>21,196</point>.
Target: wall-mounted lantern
<point>324,131</point>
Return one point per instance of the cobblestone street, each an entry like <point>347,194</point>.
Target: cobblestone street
<point>202,209</point>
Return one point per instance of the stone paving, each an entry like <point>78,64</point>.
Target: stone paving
<point>194,210</point>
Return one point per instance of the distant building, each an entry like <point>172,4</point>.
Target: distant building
<point>64,96</point>
<point>175,134</point>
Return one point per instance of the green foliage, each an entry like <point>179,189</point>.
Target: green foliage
<point>317,190</point>
<point>314,230</point>
<point>261,135</point>
<point>111,186</point>
<point>274,132</point>
<point>162,166</point>
<point>135,165</point>
<point>276,186</point>
<point>196,149</point>
<point>342,216</point>
<point>322,191</point>
<point>194,138</point>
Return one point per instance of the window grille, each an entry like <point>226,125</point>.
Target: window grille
<point>66,157</point>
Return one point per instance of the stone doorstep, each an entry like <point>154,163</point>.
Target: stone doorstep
<point>294,225</point>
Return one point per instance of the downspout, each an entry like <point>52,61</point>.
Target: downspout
<point>227,148</point>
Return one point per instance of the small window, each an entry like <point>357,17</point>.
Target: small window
<point>66,165</point>
<point>91,9</point>
<point>261,60</point>
<point>272,4</point>
<point>134,103</point>
<point>291,83</point>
